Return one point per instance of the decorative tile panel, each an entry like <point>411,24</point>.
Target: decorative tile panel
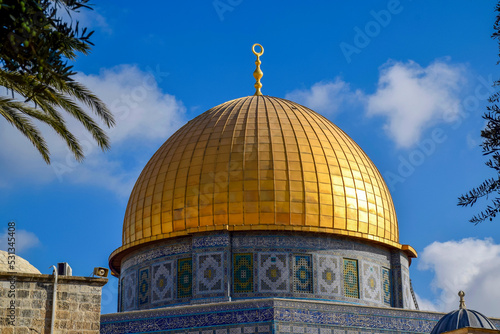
<point>130,291</point>
<point>162,282</point>
<point>351,281</point>
<point>370,277</point>
<point>184,278</point>
<point>243,272</point>
<point>302,274</point>
<point>210,273</point>
<point>328,275</point>
<point>273,272</point>
<point>144,285</point>
<point>263,329</point>
<point>386,286</point>
<point>312,330</point>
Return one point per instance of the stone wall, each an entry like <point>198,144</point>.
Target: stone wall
<point>26,304</point>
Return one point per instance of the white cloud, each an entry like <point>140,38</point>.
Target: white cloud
<point>142,111</point>
<point>424,304</point>
<point>145,118</point>
<point>413,98</point>
<point>471,265</point>
<point>325,97</point>
<point>24,240</point>
<point>472,141</point>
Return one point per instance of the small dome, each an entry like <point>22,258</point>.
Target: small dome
<point>462,318</point>
<point>21,265</point>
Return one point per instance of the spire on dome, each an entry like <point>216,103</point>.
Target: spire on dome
<point>258,73</point>
<point>461,294</point>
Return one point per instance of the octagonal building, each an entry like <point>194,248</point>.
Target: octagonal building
<point>257,200</point>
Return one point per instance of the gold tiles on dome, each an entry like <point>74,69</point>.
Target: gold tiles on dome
<point>259,162</point>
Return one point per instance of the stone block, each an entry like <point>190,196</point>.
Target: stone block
<point>85,307</point>
<point>63,305</point>
<point>21,294</point>
<point>37,294</point>
<point>8,330</point>
<point>38,304</point>
<point>63,315</point>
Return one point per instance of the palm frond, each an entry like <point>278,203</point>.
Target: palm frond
<point>78,113</point>
<point>83,94</point>
<point>10,110</point>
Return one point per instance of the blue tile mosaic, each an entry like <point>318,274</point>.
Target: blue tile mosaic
<point>162,282</point>
<point>129,295</point>
<point>302,274</point>
<point>243,272</point>
<point>386,286</point>
<point>272,316</point>
<point>210,240</point>
<point>351,282</point>
<point>143,286</point>
<point>184,278</point>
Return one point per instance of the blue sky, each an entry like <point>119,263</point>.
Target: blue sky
<point>407,80</point>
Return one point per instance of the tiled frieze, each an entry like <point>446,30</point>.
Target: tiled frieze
<point>157,251</point>
<point>219,266</point>
<point>211,240</point>
<point>272,316</point>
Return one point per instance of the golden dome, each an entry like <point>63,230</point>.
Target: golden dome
<point>259,163</point>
